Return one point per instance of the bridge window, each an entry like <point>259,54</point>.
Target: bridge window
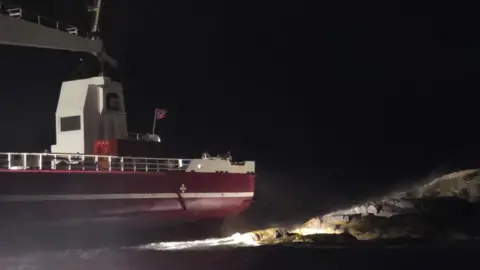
<point>70,123</point>
<point>113,102</point>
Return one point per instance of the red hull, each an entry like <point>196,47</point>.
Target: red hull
<point>167,197</point>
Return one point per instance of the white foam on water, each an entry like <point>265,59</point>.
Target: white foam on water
<point>236,240</point>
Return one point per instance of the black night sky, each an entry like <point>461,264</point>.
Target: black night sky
<point>335,100</point>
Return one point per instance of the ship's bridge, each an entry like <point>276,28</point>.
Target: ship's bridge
<point>89,110</point>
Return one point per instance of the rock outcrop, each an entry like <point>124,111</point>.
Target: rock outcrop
<point>444,208</point>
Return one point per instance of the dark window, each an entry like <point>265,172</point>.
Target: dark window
<point>70,123</point>
<point>113,102</point>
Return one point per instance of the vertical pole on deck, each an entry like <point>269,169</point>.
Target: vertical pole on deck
<point>154,121</point>
<point>24,161</point>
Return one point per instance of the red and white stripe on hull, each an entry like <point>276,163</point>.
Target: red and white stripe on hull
<point>168,196</point>
<point>119,196</point>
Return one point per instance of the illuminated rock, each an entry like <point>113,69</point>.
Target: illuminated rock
<point>441,208</point>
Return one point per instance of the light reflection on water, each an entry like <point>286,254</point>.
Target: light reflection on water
<point>38,260</point>
<point>234,241</point>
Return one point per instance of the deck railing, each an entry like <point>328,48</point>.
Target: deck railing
<point>79,162</point>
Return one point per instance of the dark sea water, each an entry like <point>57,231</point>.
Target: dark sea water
<point>81,249</point>
<point>275,257</point>
<point>93,248</point>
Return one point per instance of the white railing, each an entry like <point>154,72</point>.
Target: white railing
<point>136,136</point>
<point>19,13</point>
<point>79,162</point>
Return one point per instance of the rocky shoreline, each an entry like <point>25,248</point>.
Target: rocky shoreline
<point>446,208</point>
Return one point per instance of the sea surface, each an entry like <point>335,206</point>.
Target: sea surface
<point>237,252</point>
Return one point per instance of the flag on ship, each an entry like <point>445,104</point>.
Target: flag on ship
<point>160,114</point>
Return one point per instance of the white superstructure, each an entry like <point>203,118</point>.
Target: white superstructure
<point>89,110</point>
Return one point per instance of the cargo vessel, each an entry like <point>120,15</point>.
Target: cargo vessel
<point>97,170</point>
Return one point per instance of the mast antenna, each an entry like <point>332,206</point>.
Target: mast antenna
<point>96,18</point>
<point>103,57</point>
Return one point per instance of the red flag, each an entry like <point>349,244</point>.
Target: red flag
<point>160,113</point>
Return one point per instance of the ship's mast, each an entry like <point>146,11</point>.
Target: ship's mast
<point>102,57</point>
<point>96,18</point>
